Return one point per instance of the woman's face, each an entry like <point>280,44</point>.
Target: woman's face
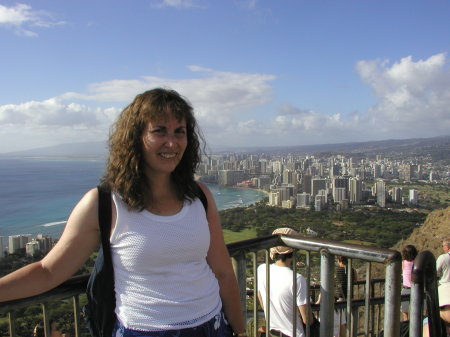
<point>163,143</point>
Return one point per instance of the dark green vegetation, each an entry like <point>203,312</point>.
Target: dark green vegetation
<point>382,228</point>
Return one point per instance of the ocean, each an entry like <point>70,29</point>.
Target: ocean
<point>37,195</point>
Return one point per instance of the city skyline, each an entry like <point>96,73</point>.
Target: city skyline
<point>257,73</point>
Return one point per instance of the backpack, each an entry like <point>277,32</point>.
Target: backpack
<point>100,309</point>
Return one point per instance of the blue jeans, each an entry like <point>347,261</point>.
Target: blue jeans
<point>215,327</point>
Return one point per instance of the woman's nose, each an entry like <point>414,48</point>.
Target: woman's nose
<point>170,140</point>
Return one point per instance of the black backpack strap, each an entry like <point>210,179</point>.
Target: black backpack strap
<point>104,218</point>
<point>106,307</point>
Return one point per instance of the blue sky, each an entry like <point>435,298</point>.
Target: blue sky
<point>279,72</point>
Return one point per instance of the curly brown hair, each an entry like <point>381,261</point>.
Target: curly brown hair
<point>125,167</point>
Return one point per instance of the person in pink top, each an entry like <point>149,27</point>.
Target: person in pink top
<point>409,253</point>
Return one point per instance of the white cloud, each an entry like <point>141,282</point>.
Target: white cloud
<point>23,20</point>
<point>216,96</point>
<point>219,100</point>
<point>36,124</point>
<point>53,113</point>
<point>412,96</point>
<point>413,100</point>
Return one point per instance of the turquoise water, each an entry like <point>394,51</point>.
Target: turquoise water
<point>37,196</point>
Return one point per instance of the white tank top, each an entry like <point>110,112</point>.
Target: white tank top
<point>162,279</point>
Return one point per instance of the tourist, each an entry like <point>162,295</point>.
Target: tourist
<point>443,263</point>
<point>409,253</point>
<point>172,271</point>
<point>281,281</point>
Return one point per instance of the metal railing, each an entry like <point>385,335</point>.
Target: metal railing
<point>72,288</point>
<point>366,313</point>
<point>424,288</point>
<point>327,249</point>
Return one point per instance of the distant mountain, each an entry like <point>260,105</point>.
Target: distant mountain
<point>91,150</point>
<point>436,147</point>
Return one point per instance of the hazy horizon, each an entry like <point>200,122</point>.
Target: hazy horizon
<point>99,148</point>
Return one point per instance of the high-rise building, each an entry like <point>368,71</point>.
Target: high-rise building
<point>305,183</point>
<point>32,248</point>
<point>339,194</point>
<point>355,190</point>
<point>413,196</point>
<point>230,177</point>
<point>335,170</point>
<point>380,190</point>
<point>274,198</point>
<point>397,194</point>
<point>341,183</point>
<point>317,184</point>
<point>377,171</point>
<point>16,242</point>
<point>303,200</point>
<point>288,176</point>
<point>319,202</point>
<point>287,204</point>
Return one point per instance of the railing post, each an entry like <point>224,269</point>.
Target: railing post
<point>326,293</point>
<point>423,280</point>
<point>267,294</point>
<point>46,319</point>
<point>12,323</point>
<point>76,315</point>
<point>392,299</point>
<point>239,267</point>
<point>367,292</point>
<point>294,297</point>
<point>255,295</point>
<point>350,311</point>
<point>416,309</point>
<point>308,289</point>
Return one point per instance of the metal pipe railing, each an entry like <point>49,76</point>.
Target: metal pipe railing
<point>71,288</point>
<point>328,249</point>
<point>239,250</point>
<point>424,284</point>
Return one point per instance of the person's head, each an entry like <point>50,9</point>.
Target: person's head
<point>446,245</point>
<point>342,260</point>
<point>126,168</point>
<point>409,253</point>
<point>283,257</point>
<point>282,252</point>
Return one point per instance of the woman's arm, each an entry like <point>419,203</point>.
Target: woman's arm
<point>78,241</point>
<point>220,263</point>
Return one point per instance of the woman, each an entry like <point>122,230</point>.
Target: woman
<point>173,275</point>
<point>409,253</point>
